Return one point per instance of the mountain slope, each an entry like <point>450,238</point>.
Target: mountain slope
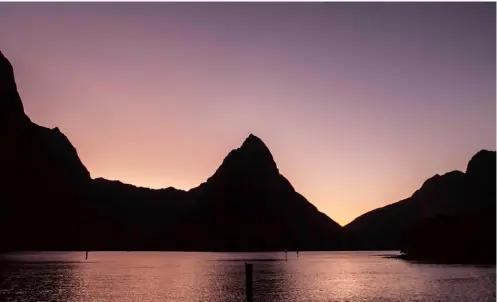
<point>248,205</point>
<point>43,177</point>
<point>453,193</point>
<point>48,200</point>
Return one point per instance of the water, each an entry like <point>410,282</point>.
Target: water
<point>169,276</point>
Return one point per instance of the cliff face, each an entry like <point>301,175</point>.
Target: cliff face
<point>43,177</point>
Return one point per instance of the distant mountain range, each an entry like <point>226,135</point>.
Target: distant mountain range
<point>48,201</point>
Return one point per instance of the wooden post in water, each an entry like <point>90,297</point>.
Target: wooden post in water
<point>248,281</point>
<point>86,258</point>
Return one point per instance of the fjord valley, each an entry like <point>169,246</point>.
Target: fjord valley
<point>306,152</point>
<point>50,202</point>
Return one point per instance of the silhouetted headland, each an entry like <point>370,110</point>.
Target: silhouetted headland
<point>50,202</point>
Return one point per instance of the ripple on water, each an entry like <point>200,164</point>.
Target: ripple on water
<point>319,276</point>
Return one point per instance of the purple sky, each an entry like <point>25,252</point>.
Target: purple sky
<point>359,103</point>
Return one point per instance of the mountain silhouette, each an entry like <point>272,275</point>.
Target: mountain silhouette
<point>43,176</point>
<point>48,201</point>
<point>248,205</point>
<point>454,193</point>
<point>245,205</point>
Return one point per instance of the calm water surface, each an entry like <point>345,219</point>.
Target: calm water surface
<point>169,276</point>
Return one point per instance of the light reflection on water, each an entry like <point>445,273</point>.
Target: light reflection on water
<point>170,276</point>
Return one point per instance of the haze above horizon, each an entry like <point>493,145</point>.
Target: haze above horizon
<point>359,103</point>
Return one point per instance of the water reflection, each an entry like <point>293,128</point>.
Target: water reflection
<point>35,279</point>
<point>137,276</point>
<point>270,277</point>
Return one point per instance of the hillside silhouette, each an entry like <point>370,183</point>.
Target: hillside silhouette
<point>43,177</point>
<point>48,201</point>
<point>452,194</point>
<point>248,205</point>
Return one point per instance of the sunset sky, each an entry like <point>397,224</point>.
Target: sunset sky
<point>358,103</point>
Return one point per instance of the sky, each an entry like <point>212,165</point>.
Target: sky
<point>359,103</point>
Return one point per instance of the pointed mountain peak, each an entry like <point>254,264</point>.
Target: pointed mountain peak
<point>253,142</point>
<point>255,149</point>
<point>252,157</point>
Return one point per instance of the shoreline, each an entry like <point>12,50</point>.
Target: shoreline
<point>440,261</point>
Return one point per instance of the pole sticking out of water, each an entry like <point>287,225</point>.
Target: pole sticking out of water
<point>286,255</point>
<point>248,281</point>
<point>86,255</point>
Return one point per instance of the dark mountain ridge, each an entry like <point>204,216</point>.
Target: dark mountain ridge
<point>48,201</point>
<point>54,204</point>
<point>37,162</point>
<point>248,205</point>
<point>453,193</point>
